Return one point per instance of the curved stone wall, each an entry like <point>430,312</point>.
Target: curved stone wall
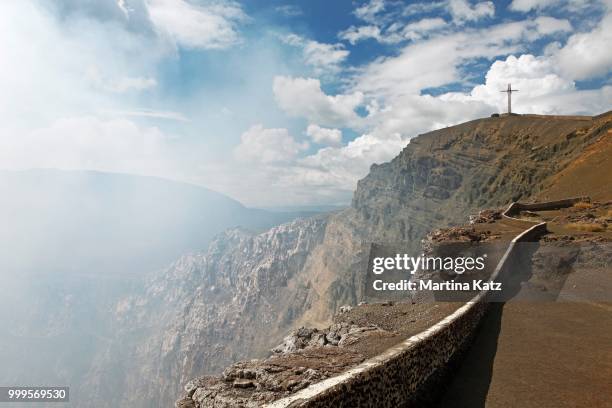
<point>545,205</point>
<point>405,374</point>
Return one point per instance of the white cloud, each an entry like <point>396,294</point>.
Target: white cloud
<point>534,77</point>
<point>192,26</point>
<point>339,168</point>
<point>303,97</point>
<point>542,89</point>
<point>368,12</point>
<point>412,31</point>
<point>355,34</point>
<point>434,62</point>
<point>261,145</point>
<point>566,5</point>
<point>329,175</point>
<point>462,10</point>
<point>419,29</point>
<point>430,63</point>
<point>550,25</point>
<point>323,58</point>
<point>527,5</point>
<point>326,136</point>
<point>123,7</point>
<point>50,69</point>
<point>88,142</point>
<point>424,7</point>
<point>402,111</point>
<point>587,55</point>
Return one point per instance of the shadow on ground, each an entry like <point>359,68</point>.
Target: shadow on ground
<point>471,379</point>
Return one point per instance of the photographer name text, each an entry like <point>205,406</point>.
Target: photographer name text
<point>422,284</point>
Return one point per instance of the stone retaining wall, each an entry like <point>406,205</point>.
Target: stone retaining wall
<point>516,208</point>
<point>542,206</point>
<point>405,375</point>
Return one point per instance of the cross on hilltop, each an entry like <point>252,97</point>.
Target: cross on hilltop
<point>509,92</point>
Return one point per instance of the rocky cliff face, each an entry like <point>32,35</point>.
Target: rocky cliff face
<point>437,181</point>
<point>443,175</point>
<point>206,311</point>
<point>240,298</point>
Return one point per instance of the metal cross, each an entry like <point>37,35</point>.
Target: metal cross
<point>509,92</point>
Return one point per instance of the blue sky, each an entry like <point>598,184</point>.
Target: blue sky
<point>280,102</point>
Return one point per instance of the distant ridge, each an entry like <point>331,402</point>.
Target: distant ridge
<point>69,221</point>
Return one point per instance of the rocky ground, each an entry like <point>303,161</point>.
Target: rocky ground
<point>575,253</point>
<point>310,355</point>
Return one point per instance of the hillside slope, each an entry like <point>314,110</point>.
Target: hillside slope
<point>587,173</point>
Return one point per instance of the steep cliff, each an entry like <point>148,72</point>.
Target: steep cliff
<point>239,298</point>
<point>442,175</point>
<point>207,310</point>
<point>438,180</point>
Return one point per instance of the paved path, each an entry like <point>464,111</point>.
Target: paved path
<point>546,354</point>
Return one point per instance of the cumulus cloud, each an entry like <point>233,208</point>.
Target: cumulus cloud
<point>262,145</point>
<point>542,89</point>
<point>210,26</point>
<point>303,97</point>
<point>534,77</point>
<point>328,175</point>
<point>325,136</point>
<point>586,55</point>
<point>341,167</point>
